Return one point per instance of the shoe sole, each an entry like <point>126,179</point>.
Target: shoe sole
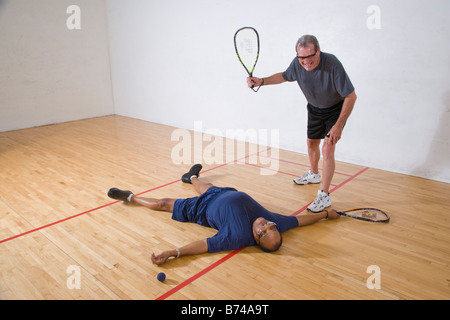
<point>308,209</point>
<point>303,184</point>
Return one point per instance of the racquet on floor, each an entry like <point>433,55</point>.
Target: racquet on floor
<point>366,214</point>
<point>246,43</point>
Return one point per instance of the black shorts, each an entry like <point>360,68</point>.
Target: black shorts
<point>320,121</point>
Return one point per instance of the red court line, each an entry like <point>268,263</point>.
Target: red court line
<point>108,204</point>
<point>56,222</point>
<point>303,165</point>
<point>277,171</point>
<point>233,253</point>
<point>261,167</point>
<point>349,179</point>
<point>334,189</point>
<point>91,210</point>
<point>79,214</point>
<point>198,275</point>
<point>207,269</point>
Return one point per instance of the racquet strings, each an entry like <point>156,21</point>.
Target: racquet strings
<point>247,48</point>
<point>369,214</point>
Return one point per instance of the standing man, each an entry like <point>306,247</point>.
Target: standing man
<point>331,97</point>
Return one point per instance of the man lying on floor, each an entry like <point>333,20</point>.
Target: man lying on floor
<point>240,220</point>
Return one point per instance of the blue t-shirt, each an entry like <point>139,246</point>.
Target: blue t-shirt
<point>232,213</point>
<point>326,85</point>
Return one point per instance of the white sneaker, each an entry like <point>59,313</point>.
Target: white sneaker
<point>308,177</point>
<point>322,201</point>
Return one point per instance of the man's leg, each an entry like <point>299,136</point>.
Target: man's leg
<point>329,164</point>
<point>127,196</point>
<point>323,199</point>
<point>314,154</point>
<point>312,176</point>
<point>165,204</point>
<point>200,186</point>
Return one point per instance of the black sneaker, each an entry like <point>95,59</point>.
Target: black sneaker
<point>118,194</point>
<point>195,171</point>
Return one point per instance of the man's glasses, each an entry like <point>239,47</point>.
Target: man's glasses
<point>310,56</point>
<point>272,226</point>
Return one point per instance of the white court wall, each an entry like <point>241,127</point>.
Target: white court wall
<point>49,73</point>
<point>173,62</point>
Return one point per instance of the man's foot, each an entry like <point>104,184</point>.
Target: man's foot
<point>118,194</point>
<point>193,172</point>
<point>308,177</point>
<point>322,201</point>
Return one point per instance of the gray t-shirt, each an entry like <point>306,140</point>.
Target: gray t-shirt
<point>326,85</point>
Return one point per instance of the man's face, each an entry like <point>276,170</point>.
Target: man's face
<point>308,57</point>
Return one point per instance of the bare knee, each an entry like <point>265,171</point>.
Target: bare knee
<point>313,143</point>
<point>328,150</point>
<point>166,204</point>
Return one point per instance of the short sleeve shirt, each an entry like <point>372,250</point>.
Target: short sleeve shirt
<point>232,214</point>
<point>326,85</point>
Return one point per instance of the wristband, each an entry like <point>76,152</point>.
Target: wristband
<point>178,252</point>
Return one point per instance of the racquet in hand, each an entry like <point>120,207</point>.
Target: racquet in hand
<point>366,214</point>
<point>246,43</point>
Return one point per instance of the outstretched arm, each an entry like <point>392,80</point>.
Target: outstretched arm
<point>274,79</point>
<point>307,219</point>
<point>193,248</point>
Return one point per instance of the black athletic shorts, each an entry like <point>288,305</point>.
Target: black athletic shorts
<point>320,121</point>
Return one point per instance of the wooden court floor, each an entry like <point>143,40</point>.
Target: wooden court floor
<point>61,237</point>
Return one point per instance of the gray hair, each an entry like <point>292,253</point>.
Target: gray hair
<point>307,39</point>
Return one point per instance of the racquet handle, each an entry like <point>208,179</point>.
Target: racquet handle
<point>251,75</point>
